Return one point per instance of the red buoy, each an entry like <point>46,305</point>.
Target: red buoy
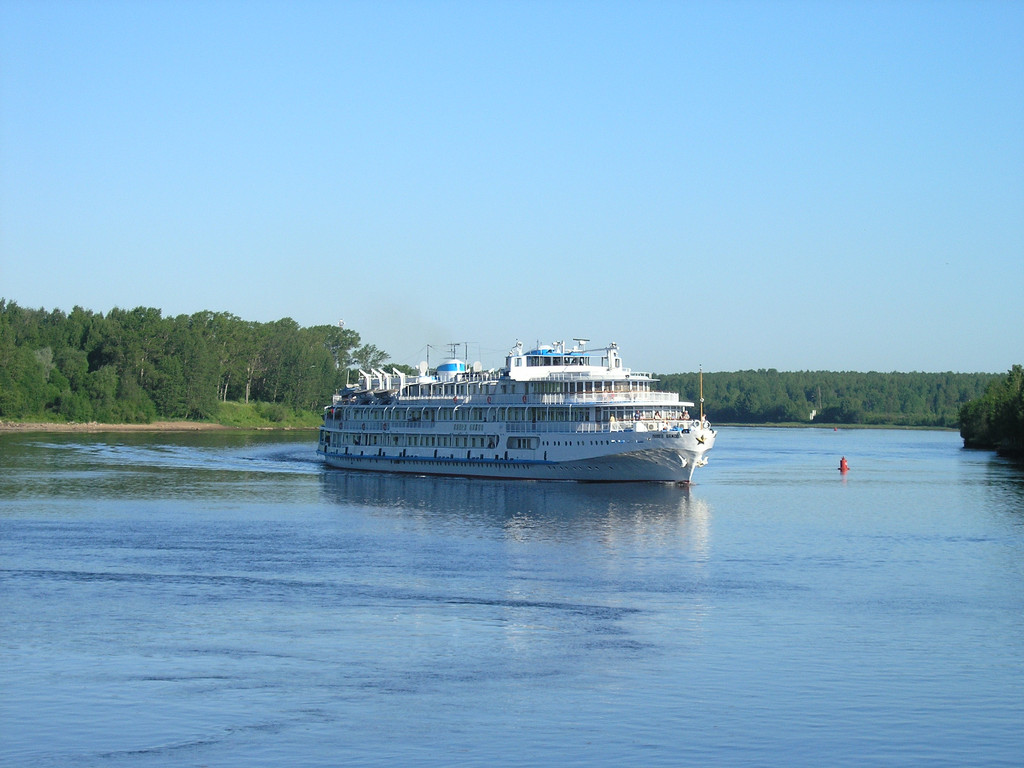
<point>843,465</point>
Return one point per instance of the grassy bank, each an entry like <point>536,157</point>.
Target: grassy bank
<point>230,415</point>
<point>266,416</point>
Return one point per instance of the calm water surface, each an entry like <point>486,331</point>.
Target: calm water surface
<point>222,600</point>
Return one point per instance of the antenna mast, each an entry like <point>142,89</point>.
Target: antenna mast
<point>702,394</point>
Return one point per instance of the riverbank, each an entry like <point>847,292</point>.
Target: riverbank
<point>155,426</point>
<point>201,426</point>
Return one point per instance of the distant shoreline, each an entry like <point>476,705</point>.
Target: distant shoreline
<point>835,427</point>
<point>209,426</point>
<point>156,426</point>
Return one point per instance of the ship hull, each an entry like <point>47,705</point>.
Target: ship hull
<point>667,461</point>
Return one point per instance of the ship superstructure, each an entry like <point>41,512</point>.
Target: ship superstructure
<point>551,413</point>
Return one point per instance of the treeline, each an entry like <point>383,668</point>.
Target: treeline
<point>135,366</point>
<point>895,399</point>
<point>996,420</point>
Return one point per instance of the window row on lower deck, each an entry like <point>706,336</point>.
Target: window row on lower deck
<point>401,440</point>
<point>409,416</point>
<point>485,442</point>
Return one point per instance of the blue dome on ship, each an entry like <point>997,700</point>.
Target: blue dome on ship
<point>450,369</point>
<point>452,366</point>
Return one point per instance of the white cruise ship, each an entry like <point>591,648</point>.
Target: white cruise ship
<point>551,413</point>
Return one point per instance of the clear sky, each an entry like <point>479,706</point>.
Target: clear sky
<point>790,185</point>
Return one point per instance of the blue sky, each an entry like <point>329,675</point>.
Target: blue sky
<point>790,185</point>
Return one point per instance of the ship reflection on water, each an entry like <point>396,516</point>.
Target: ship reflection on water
<point>536,510</point>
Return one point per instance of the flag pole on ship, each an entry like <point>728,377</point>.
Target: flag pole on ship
<point>702,394</point>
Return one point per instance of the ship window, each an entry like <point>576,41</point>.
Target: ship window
<point>523,443</point>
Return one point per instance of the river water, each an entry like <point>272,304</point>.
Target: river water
<point>223,600</point>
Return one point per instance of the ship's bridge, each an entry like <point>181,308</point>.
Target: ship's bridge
<point>555,361</point>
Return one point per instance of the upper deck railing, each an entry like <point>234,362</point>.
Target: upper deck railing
<point>574,399</point>
<point>391,426</point>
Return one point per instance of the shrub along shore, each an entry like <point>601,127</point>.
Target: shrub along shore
<point>94,426</point>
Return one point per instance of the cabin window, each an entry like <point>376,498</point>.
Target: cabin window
<point>523,443</point>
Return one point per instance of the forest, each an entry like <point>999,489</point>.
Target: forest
<point>996,420</point>
<point>137,366</point>
<point>826,397</point>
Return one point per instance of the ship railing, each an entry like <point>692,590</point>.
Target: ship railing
<point>385,425</point>
<point>580,398</point>
<point>589,427</point>
<point>580,427</point>
<point>611,398</point>
<point>517,427</point>
<point>543,374</point>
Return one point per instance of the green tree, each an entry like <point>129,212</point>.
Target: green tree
<point>368,356</point>
<point>996,420</point>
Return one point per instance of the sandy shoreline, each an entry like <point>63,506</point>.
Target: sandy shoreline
<point>156,426</point>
